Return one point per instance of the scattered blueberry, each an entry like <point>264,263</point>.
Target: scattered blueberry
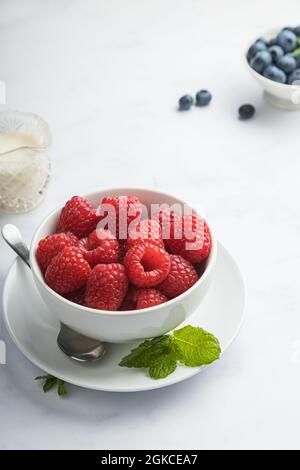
<point>185,102</point>
<point>287,40</point>
<point>203,98</point>
<point>274,73</point>
<point>255,48</point>
<point>295,75</point>
<point>246,111</point>
<point>276,52</point>
<point>287,63</point>
<point>297,30</point>
<point>261,60</point>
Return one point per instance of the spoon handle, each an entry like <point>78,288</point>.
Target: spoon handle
<point>13,238</point>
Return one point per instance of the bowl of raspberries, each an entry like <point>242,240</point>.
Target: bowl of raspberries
<point>123,264</point>
<point>274,61</point>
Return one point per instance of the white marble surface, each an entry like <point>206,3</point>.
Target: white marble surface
<point>107,76</point>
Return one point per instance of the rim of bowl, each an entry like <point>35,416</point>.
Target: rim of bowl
<point>269,32</point>
<point>39,276</point>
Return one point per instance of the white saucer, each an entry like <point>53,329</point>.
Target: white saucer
<point>34,331</point>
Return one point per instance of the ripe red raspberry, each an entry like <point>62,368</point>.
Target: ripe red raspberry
<point>147,230</point>
<point>76,296</point>
<point>78,216</point>
<point>101,248</point>
<point>149,298</point>
<point>51,245</point>
<point>67,271</point>
<point>181,277</point>
<point>190,239</point>
<point>147,265</point>
<point>122,211</point>
<point>106,287</point>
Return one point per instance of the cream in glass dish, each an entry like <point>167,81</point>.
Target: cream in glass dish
<point>25,140</point>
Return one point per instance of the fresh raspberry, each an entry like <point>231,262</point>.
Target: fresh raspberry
<point>76,296</point>
<point>149,298</point>
<point>147,230</point>
<point>101,248</point>
<point>78,216</point>
<point>106,286</point>
<point>181,277</point>
<point>190,239</point>
<point>51,245</point>
<point>67,271</point>
<point>126,209</point>
<point>147,265</point>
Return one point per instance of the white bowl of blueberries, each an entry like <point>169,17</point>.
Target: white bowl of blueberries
<point>274,61</point>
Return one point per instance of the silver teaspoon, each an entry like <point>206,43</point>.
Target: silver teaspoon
<point>73,344</point>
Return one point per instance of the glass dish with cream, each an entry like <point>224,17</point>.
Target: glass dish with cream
<point>24,161</point>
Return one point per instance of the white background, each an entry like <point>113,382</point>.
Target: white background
<point>107,75</point>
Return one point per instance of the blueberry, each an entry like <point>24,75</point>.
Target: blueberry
<point>295,75</point>
<point>255,48</point>
<point>203,98</point>
<point>276,52</point>
<point>261,60</point>
<point>287,63</point>
<point>185,102</point>
<point>274,73</point>
<point>287,40</point>
<point>297,30</point>
<point>246,111</point>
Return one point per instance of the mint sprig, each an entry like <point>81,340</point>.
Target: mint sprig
<point>50,381</point>
<point>191,346</point>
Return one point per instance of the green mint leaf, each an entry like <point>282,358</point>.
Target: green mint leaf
<point>50,382</point>
<point>298,40</point>
<point>148,352</point>
<point>61,390</point>
<point>297,51</point>
<point>161,369</point>
<point>197,346</point>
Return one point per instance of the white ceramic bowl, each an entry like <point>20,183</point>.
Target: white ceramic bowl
<point>118,327</point>
<point>280,95</point>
